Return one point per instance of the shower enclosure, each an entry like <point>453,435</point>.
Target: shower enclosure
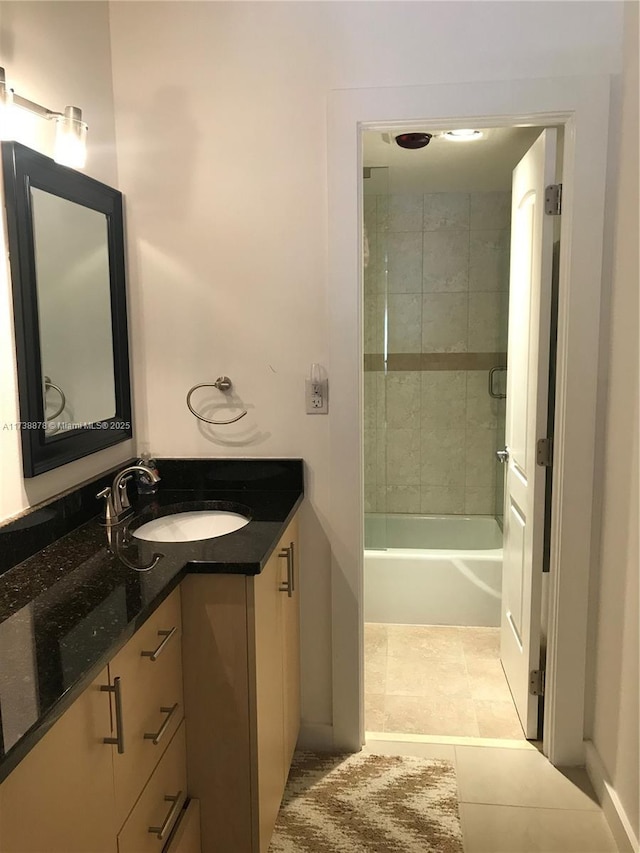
<point>435,334</point>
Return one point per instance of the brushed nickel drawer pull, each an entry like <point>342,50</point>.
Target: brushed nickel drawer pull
<point>118,740</point>
<point>155,654</point>
<point>161,831</point>
<point>156,737</point>
<point>287,586</point>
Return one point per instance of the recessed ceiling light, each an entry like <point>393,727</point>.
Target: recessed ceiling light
<point>466,134</point>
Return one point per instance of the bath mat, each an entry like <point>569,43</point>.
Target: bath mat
<point>368,804</point>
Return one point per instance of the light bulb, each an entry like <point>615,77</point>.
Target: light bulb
<point>71,139</point>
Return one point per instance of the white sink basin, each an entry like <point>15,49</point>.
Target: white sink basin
<point>191,526</point>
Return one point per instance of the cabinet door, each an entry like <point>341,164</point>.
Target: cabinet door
<point>59,799</point>
<point>152,701</point>
<point>291,649</point>
<point>269,695</point>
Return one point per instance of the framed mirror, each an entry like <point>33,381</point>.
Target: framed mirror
<point>66,246</point>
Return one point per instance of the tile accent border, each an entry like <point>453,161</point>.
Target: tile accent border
<point>420,361</point>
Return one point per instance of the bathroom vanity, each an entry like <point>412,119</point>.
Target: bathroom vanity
<point>152,710</point>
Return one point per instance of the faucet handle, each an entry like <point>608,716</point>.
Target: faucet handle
<point>108,509</point>
<point>124,497</point>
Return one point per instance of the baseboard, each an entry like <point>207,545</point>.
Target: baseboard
<point>316,736</point>
<point>612,808</point>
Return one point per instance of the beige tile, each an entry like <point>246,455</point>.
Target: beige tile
<point>480,500</point>
<point>375,673</point>
<point>431,640</point>
<point>374,712</point>
<point>444,322</point>
<point>403,457</point>
<point>373,323</point>
<point>450,716</point>
<point>403,405</point>
<point>404,262</point>
<point>480,642</point>
<point>480,457</point>
<point>487,329</point>
<point>442,500</point>
<point>369,205</point>
<point>482,410</point>
<point>514,777</point>
<point>369,497</point>
<point>440,457</point>
<point>446,210</point>
<point>443,399</point>
<point>370,400</point>
<point>504,829</point>
<point>375,638</point>
<point>487,680</point>
<point>403,499</point>
<point>404,212</point>
<point>417,674</point>
<point>404,322</point>
<point>489,260</point>
<point>498,720</point>
<point>490,210</point>
<point>370,442</point>
<point>445,263</point>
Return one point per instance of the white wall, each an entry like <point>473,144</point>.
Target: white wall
<point>56,54</point>
<point>615,722</point>
<point>221,122</point>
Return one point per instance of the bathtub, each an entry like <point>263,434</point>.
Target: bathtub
<point>435,570</point>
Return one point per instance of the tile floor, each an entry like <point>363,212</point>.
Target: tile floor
<point>437,680</point>
<point>512,800</point>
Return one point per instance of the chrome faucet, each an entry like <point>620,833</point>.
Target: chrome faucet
<point>117,506</point>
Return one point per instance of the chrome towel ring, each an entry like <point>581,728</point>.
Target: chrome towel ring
<point>63,400</point>
<point>222,383</point>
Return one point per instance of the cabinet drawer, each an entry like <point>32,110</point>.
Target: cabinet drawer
<point>150,671</point>
<point>186,836</point>
<point>155,814</point>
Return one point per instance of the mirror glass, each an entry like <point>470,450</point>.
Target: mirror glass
<point>74,311</point>
<point>66,244</point>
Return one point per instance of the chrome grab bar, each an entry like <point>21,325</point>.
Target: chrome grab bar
<point>222,383</point>
<point>492,393</point>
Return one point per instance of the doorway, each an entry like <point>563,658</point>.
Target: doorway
<point>581,106</point>
<point>436,291</point>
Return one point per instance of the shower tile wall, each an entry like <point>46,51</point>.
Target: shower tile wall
<point>437,282</point>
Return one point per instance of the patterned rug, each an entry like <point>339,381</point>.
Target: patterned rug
<point>368,804</point>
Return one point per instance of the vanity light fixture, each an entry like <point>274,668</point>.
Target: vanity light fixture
<point>71,132</point>
<point>466,135</point>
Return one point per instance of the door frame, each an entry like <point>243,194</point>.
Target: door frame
<point>581,106</point>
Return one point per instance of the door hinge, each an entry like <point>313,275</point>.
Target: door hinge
<point>544,452</point>
<point>553,199</point>
<point>536,682</point>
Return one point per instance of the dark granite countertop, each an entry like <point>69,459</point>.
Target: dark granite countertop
<point>68,608</point>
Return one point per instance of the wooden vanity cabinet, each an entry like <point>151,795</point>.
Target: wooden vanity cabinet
<point>242,697</point>
<point>60,798</point>
<point>77,791</point>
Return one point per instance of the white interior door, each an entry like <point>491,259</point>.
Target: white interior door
<point>526,422</point>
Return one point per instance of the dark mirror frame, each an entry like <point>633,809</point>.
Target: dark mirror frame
<point>24,168</point>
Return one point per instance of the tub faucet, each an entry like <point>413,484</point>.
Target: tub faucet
<point>117,505</point>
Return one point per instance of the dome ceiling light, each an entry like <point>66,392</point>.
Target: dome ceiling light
<point>466,135</point>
